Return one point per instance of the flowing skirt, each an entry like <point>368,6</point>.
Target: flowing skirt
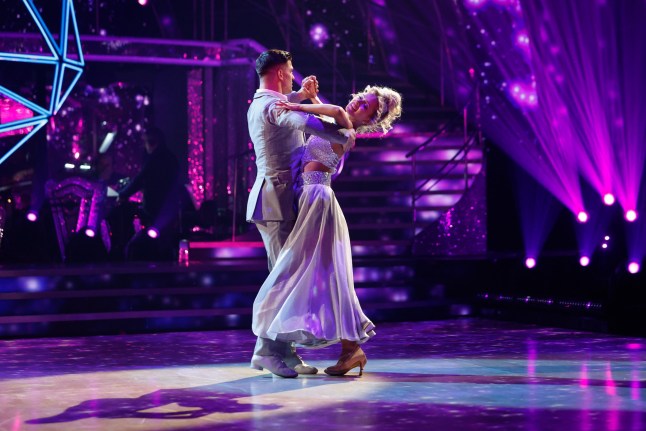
<point>309,298</point>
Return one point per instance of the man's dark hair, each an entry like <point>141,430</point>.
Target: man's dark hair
<point>268,59</point>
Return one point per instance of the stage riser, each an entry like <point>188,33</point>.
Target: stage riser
<point>220,295</point>
<point>367,248</point>
<point>173,323</point>
<point>182,298</point>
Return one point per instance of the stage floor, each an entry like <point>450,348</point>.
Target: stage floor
<point>441,375</point>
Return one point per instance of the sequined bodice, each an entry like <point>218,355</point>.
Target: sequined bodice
<point>320,150</point>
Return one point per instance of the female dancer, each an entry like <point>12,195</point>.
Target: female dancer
<point>309,298</point>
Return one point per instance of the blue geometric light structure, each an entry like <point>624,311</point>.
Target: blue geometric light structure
<point>61,57</point>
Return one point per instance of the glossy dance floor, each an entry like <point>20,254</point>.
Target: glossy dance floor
<point>446,375</point>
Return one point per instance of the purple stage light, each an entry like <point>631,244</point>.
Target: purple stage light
<point>142,2</point>
<point>582,217</point>
<point>319,35</point>
<point>506,3</point>
<point>476,3</point>
<point>631,215</point>
<point>90,232</point>
<point>584,261</point>
<point>580,127</point>
<point>608,199</point>
<point>502,3</point>
<point>522,41</point>
<point>633,267</point>
<point>11,111</point>
<point>32,215</point>
<point>524,94</point>
<point>604,246</point>
<point>153,232</point>
<point>530,262</point>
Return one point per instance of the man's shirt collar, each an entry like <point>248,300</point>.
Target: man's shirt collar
<point>262,91</point>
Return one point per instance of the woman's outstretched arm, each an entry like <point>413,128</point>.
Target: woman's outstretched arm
<point>334,111</point>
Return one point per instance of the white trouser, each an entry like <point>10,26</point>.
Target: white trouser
<point>274,235</point>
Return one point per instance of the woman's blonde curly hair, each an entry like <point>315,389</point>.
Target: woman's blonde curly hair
<point>389,110</point>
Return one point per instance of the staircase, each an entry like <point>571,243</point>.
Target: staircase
<point>388,196</point>
<point>217,287</point>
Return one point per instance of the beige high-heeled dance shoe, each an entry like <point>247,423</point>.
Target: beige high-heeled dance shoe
<point>354,358</point>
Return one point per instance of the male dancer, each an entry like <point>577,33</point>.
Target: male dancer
<point>278,138</point>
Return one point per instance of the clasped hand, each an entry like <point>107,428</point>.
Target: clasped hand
<point>309,87</point>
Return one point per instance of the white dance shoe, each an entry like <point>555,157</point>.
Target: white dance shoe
<point>295,362</point>
<point>273,364</point>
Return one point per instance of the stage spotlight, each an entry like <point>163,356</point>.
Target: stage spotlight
<point>475,3</point>
<point>584,261</point>
<point>319,35</point>
<point>32,215</point>
<point>582,217</point>
<point>631,215</point>
<point>633,267</point>
<point>530,262</point>
<point>142,2</point>
<point>608,199</point>
<point>90,232</point>
<point>153,232</point>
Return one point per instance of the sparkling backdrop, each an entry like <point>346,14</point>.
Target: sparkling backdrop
<point>200,188</point>
<point>460,231</point>
<point>76,134</point>
<point>10,111</point>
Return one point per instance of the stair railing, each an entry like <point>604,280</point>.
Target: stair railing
<point>470,140</point>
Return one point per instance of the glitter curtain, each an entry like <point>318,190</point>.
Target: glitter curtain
<point>462,230</point>
<point>232,89</point>
<point>200,188</point>
<point>221,165</point>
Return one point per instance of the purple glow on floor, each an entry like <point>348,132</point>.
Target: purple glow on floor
<point>460,374</point>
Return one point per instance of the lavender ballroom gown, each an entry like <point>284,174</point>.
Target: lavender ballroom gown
<point>309,298</point>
